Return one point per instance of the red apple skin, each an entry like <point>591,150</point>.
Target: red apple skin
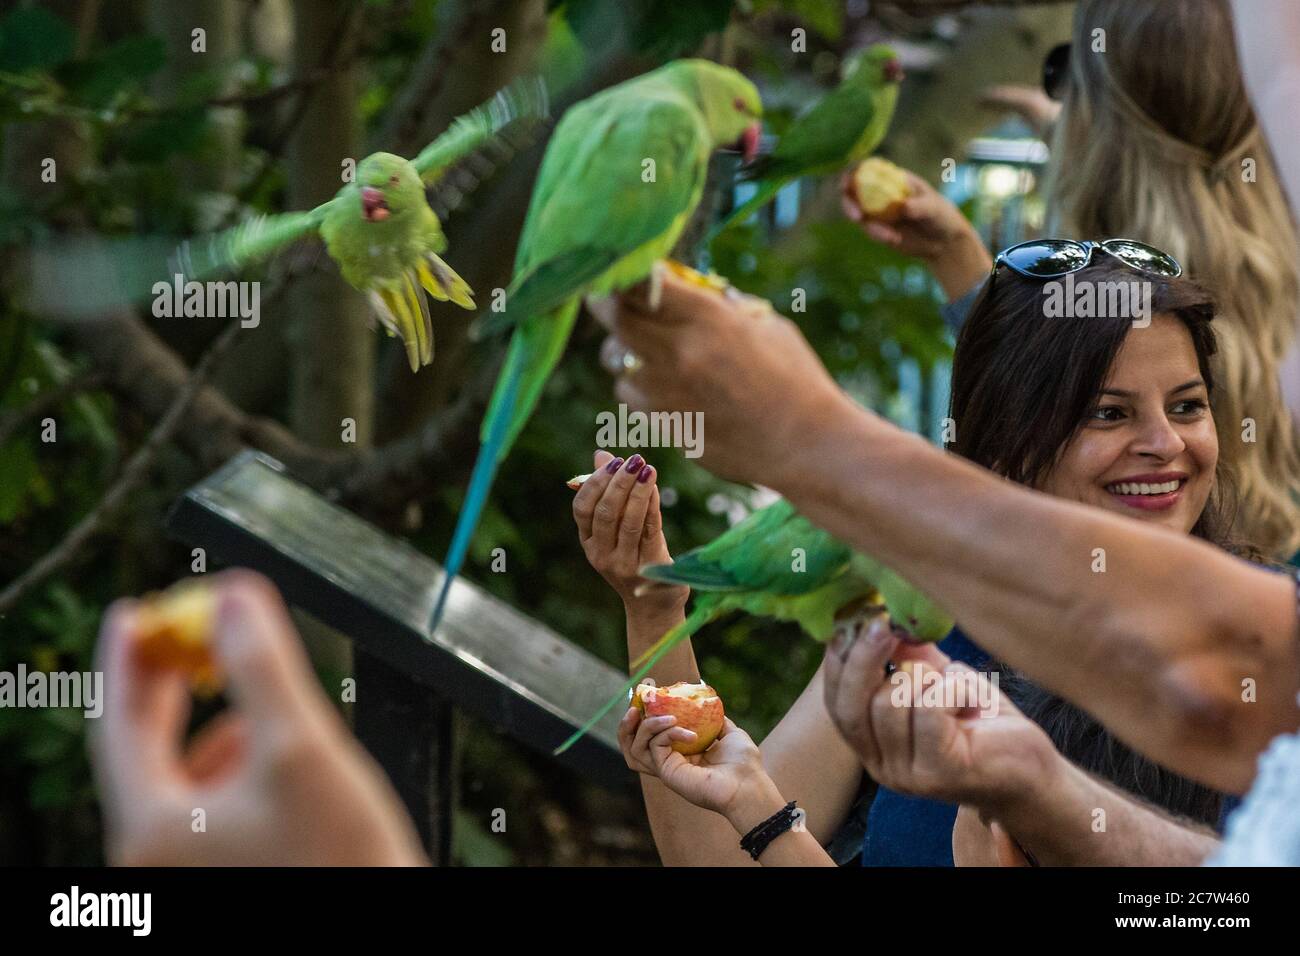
<point>702,713</point>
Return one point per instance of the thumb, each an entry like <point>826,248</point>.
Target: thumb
<point>268,675</point>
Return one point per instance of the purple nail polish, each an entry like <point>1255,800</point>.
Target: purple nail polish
<point>614,465</point>
<point>634,464</point>
<point>645,474</point>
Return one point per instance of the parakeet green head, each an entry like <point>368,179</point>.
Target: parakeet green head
<point>730,103</point>
<point>877,65</point>
<point>389,186</point>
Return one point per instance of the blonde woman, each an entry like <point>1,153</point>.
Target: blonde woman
<point>1157,141</point>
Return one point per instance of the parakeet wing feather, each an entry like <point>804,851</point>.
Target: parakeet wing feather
<point>232,249</point>
<point>824,136</point>
<point>525,98</point>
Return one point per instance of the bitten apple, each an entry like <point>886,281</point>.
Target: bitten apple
<point>880,189</point>
<point>174,630</point>
<point>697,707</point>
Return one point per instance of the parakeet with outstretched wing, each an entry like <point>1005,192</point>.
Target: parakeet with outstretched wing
<point>776,563</point>
<point>621,178</point>
<point>843,128</point>
<point>379,227</point>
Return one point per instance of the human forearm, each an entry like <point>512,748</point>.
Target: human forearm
<point>963,263</point>
<point>807,758</point>
<point>1072,819</point>
<point>1157,645</point>
<point>684,834</point>
<point>797,847</point>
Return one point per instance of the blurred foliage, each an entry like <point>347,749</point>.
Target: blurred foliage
<point>864,309</point>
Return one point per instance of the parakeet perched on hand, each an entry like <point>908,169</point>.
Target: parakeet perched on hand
<point>843,128</point>
<point>621,177</point>
<point>776,563</point>
<point>379,228</point>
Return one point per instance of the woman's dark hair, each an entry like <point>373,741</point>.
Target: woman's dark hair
<point>1024,382</point>
<point>1023,385</point>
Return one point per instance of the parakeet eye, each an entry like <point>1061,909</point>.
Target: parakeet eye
<point>394,179</point>
<point>739,103</point>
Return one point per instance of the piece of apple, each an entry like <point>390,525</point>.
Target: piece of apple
<point>577,481</point>
<point>880,189</point>
<point>174,631</point>
<point>697,707</point>
<point>708,280</point>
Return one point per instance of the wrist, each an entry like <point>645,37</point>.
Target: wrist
<point>755,800</point>
<point>963,263</point>
<point>1042,776</point>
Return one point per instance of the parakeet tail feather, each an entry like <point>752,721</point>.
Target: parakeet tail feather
<point>485,469</point>
<point>766,190</point>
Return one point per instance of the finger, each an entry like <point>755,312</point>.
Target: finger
<point>269,676</point>
<point>135,742</point>
<point>883,233</point>
<point>852,211</point>
<point>928,653</point>
<point>610,508</point>
<point>600,458</point>
<point>648,729</point>
<point>631,529</point>
<point>651,334</point>
<point>584,502</point>
<point>654,517</point>
<point>863,671</point>
<point>627,728</point>
<point>603,308</point>
<point>218,748</point>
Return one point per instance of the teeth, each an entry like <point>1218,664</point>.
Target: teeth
<point>1142,488</point>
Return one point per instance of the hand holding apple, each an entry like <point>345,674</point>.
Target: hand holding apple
<point>696,707</point>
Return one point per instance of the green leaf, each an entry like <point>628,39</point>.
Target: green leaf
<point>32,38</point>
<point>179,132</point>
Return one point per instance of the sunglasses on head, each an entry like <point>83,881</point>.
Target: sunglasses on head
<point>1056,71</point>
<point>1053,258</point>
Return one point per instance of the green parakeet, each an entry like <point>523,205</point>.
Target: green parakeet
<point>843,128</point>
<point>776,563</point>
<point>621,177</point>
<point>379,228</point>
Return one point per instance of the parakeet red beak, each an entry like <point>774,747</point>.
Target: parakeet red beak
<point>893,71</point>
<point>748,144</point>
<point>374,207</point>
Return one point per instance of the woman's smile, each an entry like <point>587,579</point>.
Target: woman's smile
<point>1149,492</point>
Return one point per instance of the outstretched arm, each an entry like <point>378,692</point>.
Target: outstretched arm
<point>1186,653</point>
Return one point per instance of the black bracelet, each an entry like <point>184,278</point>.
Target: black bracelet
<point>756,840</point>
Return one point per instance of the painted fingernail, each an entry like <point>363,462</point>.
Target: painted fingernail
<point>634,464</point>
<point>614,465</point>
<point>646,474</point>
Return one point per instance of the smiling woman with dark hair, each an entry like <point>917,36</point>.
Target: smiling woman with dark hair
<point>1109,408</point>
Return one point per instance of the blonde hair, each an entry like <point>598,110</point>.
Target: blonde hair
<point>1152,144</point>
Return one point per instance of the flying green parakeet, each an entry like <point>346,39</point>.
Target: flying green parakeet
<point>843,128</point>
<point>776,563</point>
<point>379,228</point>
<point>621,177</point>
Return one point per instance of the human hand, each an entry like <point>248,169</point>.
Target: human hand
<point>276,779</point>
<point>935,728</point>
<point>1030,103</point>
<point>720,779</point>
<point>750,372</point>
<point>930,227</point>
<point>621,530</point>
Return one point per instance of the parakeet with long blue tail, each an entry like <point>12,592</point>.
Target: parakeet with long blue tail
<point>379,228</point>
<point>777,563</point>
<point>621,177</point>
<point>843,128</point>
